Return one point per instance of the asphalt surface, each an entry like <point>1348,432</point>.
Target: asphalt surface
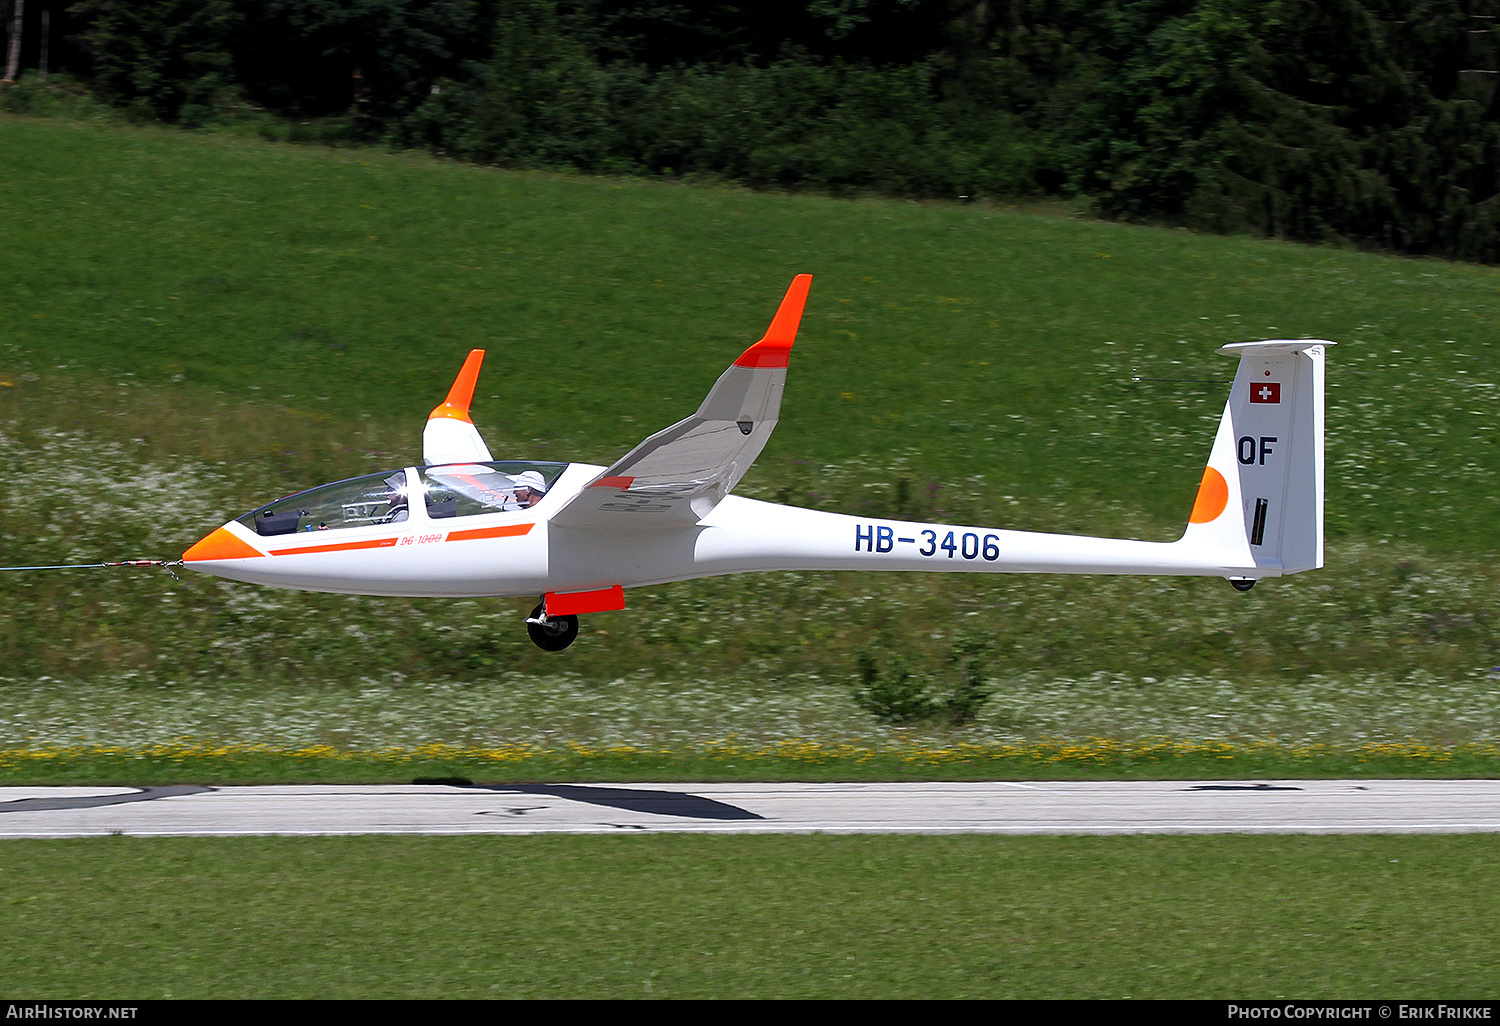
<point>1069,807</point>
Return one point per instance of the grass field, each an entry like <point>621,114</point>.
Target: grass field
<point>191,325</point>
<point>194,324</point>
<point>686,916</point>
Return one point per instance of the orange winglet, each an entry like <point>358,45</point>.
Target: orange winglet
<point>1213,496</point>
<point>622,483</point>
<point>456,406</point>
<point>569,603</point>
<point>220,545</point>
<point>776,348</point>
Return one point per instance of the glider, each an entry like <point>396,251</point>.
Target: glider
<point>466,524</point>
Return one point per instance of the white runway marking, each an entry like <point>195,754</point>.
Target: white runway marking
<point>1005,807</point>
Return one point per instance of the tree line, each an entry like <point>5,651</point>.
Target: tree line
<point>1370,121</point>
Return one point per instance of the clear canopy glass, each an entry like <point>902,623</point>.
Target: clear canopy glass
<point>457,490</point>
<point>357,502</point>
<point>468,489</point>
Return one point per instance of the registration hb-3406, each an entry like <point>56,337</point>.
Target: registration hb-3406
<point>952,543</point>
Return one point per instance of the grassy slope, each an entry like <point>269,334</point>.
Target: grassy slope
<point>194,324</point>
<point>987,342</point>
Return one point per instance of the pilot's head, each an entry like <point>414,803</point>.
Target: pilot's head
<point>396,491</point>
<point>530,488</point>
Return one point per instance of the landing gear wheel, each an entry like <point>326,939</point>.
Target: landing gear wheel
<point>1242,583</point>
<point>555,635</point>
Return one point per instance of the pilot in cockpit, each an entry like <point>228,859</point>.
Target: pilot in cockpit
<point>529,489</point>
<point>396,496</point>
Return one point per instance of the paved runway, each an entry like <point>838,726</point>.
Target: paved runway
<point>1072,807</point>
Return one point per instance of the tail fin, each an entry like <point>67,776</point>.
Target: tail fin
<point>1260,504</point>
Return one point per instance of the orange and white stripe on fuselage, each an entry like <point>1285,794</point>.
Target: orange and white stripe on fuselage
<point>491,554</point>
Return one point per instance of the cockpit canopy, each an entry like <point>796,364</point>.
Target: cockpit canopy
<point>455,490</point>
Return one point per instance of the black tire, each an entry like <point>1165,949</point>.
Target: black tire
<point>1242,585</point>
<point>561,631</point>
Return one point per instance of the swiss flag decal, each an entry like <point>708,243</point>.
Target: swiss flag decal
<point>1265,392</point>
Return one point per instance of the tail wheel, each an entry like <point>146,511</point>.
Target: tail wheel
<point>553,634</point>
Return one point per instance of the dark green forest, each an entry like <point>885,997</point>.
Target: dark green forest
<point>1370,122</point>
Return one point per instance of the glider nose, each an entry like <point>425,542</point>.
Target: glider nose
<point>220,544</point>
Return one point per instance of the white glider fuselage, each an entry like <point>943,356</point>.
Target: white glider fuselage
<point>466,525</point>
<point>472,558</point>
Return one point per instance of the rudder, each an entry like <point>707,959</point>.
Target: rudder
<point>1260,505</point>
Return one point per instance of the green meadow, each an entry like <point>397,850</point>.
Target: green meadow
<point>1375,918</point>
<point>192,324</point>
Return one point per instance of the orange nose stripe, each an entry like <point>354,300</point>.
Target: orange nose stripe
<point>220,545</point>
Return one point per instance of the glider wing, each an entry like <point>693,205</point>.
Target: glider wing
<point>679,474</point>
